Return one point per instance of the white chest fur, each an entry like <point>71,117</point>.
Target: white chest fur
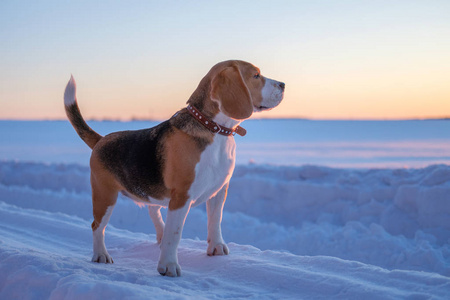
<point>214,169</point>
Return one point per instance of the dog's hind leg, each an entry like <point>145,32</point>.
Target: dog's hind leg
<point>155,214</point>
<point>104,197</point>
<point>214,208</point>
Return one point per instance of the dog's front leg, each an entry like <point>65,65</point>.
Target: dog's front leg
<point>168,260</point>
<point>214,207</point>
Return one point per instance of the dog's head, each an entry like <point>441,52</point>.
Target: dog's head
<point>239,89</point>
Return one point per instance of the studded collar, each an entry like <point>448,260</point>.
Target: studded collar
<point>213,126</point>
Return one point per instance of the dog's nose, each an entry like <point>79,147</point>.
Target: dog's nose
<point>281,85</point>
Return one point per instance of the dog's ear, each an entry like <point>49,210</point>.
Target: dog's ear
<point>230,90</point>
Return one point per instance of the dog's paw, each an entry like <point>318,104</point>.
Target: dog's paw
<point>171,269</point>
<point>217,249</point>
<point>103,258</point>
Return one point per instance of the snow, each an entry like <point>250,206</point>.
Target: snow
<point>295,230</point>
<point>49,252</point>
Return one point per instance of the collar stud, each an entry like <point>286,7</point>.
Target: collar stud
<point>213,126</point>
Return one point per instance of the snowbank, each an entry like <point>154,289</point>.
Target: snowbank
<point>391,218</point>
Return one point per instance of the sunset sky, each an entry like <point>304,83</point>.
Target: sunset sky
<point>143,59</point>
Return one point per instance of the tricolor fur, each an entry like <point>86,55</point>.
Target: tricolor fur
<point>177,164</point>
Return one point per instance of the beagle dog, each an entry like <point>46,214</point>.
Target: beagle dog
<point>180,163</point>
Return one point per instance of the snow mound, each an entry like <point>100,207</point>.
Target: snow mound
<point>391,218</point>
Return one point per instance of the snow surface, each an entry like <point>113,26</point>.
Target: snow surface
<point>294,231</point>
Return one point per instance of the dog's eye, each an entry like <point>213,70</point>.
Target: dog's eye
<point>256,76</point>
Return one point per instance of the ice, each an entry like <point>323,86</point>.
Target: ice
<point>343,144</point>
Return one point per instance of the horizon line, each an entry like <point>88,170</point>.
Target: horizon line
<point>444,118</point>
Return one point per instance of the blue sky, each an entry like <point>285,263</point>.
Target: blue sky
<point>339,59</point>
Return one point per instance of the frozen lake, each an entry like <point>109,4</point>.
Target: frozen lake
<point>343,144</point>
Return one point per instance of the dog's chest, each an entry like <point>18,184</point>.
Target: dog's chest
<point>214,169</point>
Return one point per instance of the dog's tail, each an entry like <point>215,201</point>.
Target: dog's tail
<point>89,136</point>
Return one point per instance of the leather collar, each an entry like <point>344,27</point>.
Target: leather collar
<point>213,126</point>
